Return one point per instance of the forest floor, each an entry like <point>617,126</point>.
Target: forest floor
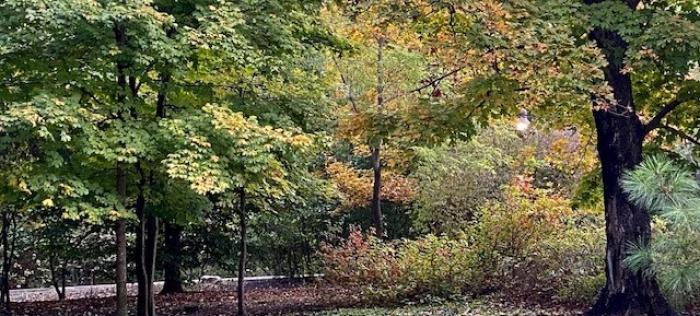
<point>299,299</point>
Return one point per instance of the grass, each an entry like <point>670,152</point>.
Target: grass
<point>476,308</point>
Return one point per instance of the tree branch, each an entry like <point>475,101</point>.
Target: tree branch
<point>655,122</point>
<point>427,84</point>
<point>347,85</point>
<point>681,134</point>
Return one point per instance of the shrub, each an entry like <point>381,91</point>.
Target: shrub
<point>453,182</point>
<point>534,241</point>
<point>530,243</point>
<point>392,271</point>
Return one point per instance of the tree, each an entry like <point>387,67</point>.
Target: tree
<point>104,107</point>
<point>229,155</point>
<point>379,78</point>
<point>632,72</point>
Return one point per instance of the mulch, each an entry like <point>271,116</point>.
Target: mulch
<point>292,300</point>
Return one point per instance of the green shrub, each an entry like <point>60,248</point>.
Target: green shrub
<point>454,182</point>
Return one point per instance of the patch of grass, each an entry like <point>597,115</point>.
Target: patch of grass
<point>454,309</point>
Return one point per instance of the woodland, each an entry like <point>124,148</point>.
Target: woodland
<point>349,157</point>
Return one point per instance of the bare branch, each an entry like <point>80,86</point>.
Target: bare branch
<point>655,122</point>
<point>427,84</point>
<point>347,85</point>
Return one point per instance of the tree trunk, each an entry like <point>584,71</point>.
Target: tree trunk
<point>172,259</point>
<point>377,218</point>
<point>376,192</point>
<point>626,292</point>
<point>120,231</point>
<point>141,274</point>
<point>243,254</point>
<point>60,288</point>
<point>146,243</point>
<point>63,283</point>
<point>6,264</point>
<point>620,138</point>
<point>151,253</point>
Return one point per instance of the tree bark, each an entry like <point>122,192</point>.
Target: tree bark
<point>141,274</point>
<point>376,208</point>
<point>120,230</point>
<point>152,224</point>
<point>243,253</point>
<point>620,139</point>
<point>377,218</point>
<point>146,243</point>
<point>120,227</point>
<point>173,259</point>
<point>6,263</point>
<point>59,287</point>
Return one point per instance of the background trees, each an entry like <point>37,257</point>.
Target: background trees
<point>305,119</point>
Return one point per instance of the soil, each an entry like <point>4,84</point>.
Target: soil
<point>289,300</point>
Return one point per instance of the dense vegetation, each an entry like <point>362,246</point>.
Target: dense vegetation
<point>411,151</point>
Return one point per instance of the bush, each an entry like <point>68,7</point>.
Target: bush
<point>530,243</point>
<point>454,181</point>
<point>392,271</point>
<point>534,242</point>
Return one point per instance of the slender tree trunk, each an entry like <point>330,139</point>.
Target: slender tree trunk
<point>173,259</point>
<point>60,290</point>
<point>152,224</point>
<point>141,274</point>
<point>146,243</point>
<point>120,230</point>
<point>377,217</point>
<point>120,227</point>
<point>6,264</point>
<point>63,283</point>
<point>243,253</point>
<point>620,138</point>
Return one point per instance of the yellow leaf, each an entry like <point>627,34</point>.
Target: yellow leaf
<point>47,203</point>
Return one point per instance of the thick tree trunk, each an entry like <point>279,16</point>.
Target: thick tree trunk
<point>243,254</point>
<point>620,138</point>
<point>626,292</point>
<point>120,230</point>
<point>172,259</point>
<point>63,283</point>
